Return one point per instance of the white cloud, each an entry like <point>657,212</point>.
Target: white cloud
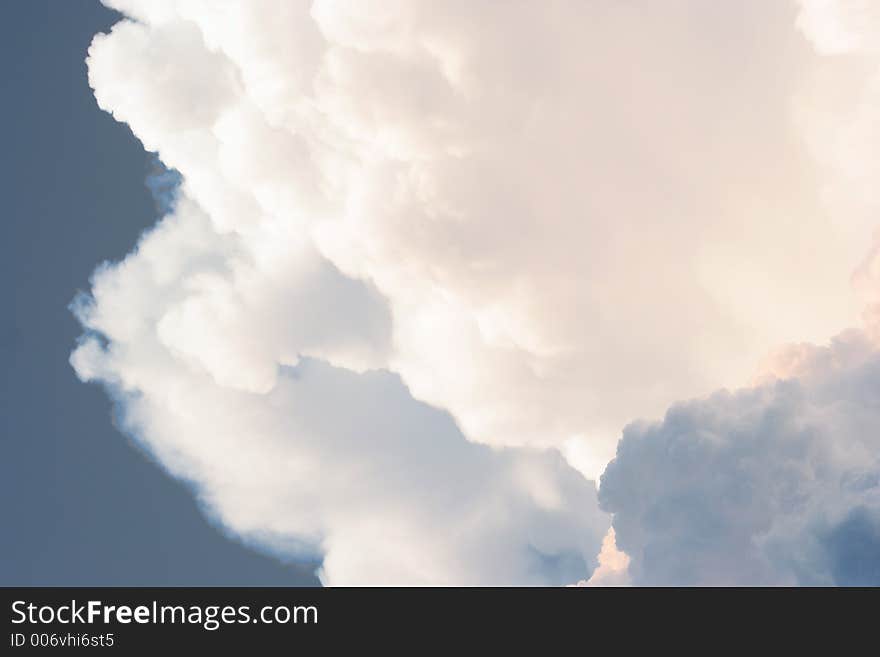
<point>307,457</point>
<point>546,218</point>
<point>575,212</point>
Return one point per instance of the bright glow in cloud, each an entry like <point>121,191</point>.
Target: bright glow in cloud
<point>779,483</point>
<point>613,569</point>
<point>544,218</point>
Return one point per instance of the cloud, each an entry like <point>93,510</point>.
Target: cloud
<point>575,212</point>
<point>545,219</point>
<point>308,459</point>
<point>778,484</point>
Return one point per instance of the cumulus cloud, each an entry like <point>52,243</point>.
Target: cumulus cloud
<point>544,218</point>
<point>574,211</point>
<point>307,459</point>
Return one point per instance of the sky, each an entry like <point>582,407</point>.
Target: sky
<point>509,293</point>
<point>81,505</point>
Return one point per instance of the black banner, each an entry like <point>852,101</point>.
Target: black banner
<point>129,621</point>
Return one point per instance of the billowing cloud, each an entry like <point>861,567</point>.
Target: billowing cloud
<point>778,484</point>
<point>544,218</point>
<point>307,459</point>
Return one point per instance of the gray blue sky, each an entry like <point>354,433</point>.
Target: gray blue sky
<point>81,505</point>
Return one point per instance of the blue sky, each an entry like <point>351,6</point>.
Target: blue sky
<point>81,505</point>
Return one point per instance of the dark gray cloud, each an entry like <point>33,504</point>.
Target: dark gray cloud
<point>779,484</point>
<point>853,547</point>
